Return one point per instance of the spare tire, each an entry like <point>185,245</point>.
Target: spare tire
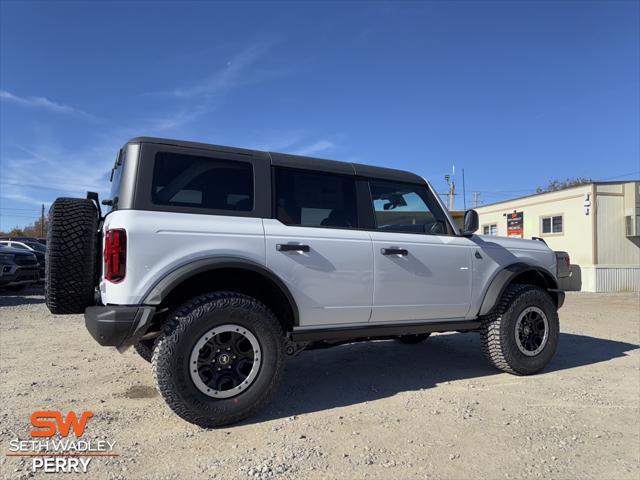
<point>71,255</point>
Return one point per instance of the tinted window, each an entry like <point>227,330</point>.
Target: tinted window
<point>202,182</point>
<point>315,199</point>
<point>552,224</point>
<point>37,246</point>
<point>116,178</point>
<point>490,229</point>
<point>406,208</point>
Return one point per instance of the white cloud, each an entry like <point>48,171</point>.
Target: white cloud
<point>40,102</point>
<point>233,74</point>
<point>316,147</point>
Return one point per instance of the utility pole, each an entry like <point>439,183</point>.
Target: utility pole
<point>42,222</point>
<point>452,190</point>
<point>464,193</point>
<point>476,199</point>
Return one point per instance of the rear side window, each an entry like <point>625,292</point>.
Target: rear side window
<point>116,178</point>
<point>314,199</point>
<point>202,182</point>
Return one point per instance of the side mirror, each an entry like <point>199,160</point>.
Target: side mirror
<point>471,222</point>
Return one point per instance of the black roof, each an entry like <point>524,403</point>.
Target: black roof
<point>296,161</point>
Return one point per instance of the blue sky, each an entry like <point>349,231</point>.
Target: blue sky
<point>516,93</point>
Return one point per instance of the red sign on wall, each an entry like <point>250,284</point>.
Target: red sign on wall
<point>515,224</point>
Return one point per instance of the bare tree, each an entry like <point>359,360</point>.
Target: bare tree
<point>554,185</point>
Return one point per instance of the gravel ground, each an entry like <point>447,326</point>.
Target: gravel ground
<point>374,410</point>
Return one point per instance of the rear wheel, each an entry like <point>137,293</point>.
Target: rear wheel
<point>413,339</point>
<point>521,335</point>
<point>70,264</point>
<point>220,359</point>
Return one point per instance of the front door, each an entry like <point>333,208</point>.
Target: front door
<point>315,248</point>
<point>422,271</point>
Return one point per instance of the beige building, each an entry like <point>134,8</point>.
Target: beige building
<point>597,223</point>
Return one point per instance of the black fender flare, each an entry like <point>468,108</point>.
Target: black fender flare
<point>504,278</point>
<point>163,287</point>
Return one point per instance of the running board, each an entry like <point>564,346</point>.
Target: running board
<point>375,331</point>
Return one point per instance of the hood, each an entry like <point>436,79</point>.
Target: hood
<point>15,251</point>
<point>488,241</point>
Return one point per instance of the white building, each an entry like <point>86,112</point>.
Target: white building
<point>597,223</point>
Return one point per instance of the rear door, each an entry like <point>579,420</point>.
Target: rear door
<point>315,247</point>
<point>422,271</point>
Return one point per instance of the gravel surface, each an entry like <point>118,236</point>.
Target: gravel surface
<point>372,410</point>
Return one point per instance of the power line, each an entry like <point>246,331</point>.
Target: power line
<point>619,176</point>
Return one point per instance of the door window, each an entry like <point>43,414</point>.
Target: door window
<point>313,199</point>
<point>406,208</point>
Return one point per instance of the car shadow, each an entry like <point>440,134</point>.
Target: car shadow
<point>28,296</point>
<point>363,372</point>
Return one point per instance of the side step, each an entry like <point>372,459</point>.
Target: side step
<point>366,332</point>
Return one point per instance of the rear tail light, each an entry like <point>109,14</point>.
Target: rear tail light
<point>115,255</point>
<point>567,261</point>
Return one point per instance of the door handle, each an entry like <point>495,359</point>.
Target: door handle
<point>394,251</point>
<point>292,247</point>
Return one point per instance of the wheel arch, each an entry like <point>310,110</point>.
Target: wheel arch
<point>226,273</point>
<point>518,273</point>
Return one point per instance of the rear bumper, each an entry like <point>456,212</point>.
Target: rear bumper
<point>118,326</point>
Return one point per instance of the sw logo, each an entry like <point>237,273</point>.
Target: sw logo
<point>43,420</point>
<point>57,444</point>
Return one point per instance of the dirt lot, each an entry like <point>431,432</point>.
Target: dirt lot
<point>376,410</point>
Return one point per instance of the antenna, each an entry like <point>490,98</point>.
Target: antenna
<point>464,193</point>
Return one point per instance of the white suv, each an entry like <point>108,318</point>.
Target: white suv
<point>215,262</point>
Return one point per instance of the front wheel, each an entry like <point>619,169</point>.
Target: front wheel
<point>220,359</point>
<point>521,335</point>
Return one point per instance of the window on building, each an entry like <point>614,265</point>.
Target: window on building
<point>400,207</point>
<point>490,229</point>
<point>313,199</point>
<point>552,224</point>
<point>202,182</point>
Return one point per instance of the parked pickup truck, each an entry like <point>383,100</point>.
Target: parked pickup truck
<point>216,262</point>
<point>18,269</point>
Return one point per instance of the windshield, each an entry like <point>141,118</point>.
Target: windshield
<point>37,246</point>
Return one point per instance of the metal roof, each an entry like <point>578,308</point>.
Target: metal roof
<point>616,182</point>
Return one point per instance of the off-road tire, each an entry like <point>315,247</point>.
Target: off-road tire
<point>144,348</point>
<point>497,332</point>
<point>413,339</point>
<point>71,255</point>
<point>181,331</point>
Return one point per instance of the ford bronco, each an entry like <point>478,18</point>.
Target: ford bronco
<point>216,262</point>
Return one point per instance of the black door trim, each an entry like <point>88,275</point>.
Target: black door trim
<point>374,331</point>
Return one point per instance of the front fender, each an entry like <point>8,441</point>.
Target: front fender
<point>506,276</point>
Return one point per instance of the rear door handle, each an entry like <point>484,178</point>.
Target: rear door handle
<point>292,247</point>
<point>394,251</point>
